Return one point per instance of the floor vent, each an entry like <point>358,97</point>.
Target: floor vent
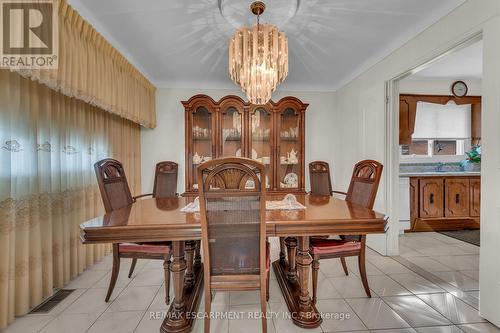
<point>51,302</point>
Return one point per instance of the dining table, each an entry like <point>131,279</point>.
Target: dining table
<point>161,219</point>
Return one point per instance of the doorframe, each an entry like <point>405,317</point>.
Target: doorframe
<point>392,135</point>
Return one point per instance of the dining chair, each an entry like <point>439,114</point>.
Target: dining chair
<point>165,186</point>
<point>319,177</point>
<point>115,193</point>
<point>233,225</point>
<point>362,192</point>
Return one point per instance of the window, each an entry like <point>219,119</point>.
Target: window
<point>444,147</point>
<point>429,148</point>
<point>440,130</point>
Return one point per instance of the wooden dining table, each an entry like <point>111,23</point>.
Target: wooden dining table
<point>151,220</point>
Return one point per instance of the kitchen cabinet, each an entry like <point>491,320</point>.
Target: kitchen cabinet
<point>431,197</point>
<point>408,110</point>
<point>457,197</point>
<point>475,197</point>
<point>444,203</point>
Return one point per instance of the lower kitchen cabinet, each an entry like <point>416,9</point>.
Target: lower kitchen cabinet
<point>475,197</point>
<point>431,197</point>
<point>444,203</point>
<point>456,203</point>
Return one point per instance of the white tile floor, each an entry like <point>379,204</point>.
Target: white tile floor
<point>432,288</point>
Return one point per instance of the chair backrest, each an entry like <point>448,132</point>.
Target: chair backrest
<point>319,177</point>
<point>165,185</point>
<point>113,184</point>
<point>232,210</point>
<point>364,183</point>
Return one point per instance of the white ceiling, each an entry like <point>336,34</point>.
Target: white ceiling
<point>184,43</point>
<point>466,63</point>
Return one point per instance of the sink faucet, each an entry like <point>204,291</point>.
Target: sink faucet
<point>439,167</point>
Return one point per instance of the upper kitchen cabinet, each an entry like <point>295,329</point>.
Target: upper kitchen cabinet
<point>408,112</point>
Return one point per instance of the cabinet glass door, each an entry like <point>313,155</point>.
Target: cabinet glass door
<point>231,141</point>
<point>202,140</point>
<point>289,148</point>
<point>261,140</point>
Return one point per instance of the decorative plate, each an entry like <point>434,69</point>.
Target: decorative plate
<point>291,179</point>
<point>250,184</point>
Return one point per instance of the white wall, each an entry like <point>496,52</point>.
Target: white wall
<point>437,86</point>
<point>360,116</point>
<point>166,141</point>
<point>489,277</point>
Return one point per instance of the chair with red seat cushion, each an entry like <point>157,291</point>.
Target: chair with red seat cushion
<point>233,225</point>
<point>115,194</point>
<point>165,186</point>
<point>362,191</point>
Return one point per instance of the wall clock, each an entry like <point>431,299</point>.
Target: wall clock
<point>459,89</point>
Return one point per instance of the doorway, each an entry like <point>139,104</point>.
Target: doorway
<point>429,181</point>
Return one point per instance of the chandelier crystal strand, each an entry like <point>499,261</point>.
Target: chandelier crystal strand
<point>258,60</point>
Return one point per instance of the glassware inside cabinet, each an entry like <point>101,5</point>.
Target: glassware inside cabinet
<point>289,147</point>
<point>260,146</point>
<point>232,122</point>
<point>202,139</point>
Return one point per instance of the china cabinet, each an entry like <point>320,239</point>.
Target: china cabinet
<point>272,134</point>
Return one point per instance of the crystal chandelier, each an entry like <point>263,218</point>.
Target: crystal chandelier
<point>258,58</point>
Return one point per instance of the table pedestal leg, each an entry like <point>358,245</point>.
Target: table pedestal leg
<point>197,255</point>
<point>180,316</point>
<point>282,250</point>
<point>291,246</point>
<point>190,248</point>
<point>296,291</point>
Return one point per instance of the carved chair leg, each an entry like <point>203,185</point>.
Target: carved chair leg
<point>114,271</point>
<point>263,308</point>
<point>344,265</point>
<point>362,266</point>
<point>315,269</point>
<point>166,271</point>
<point>208,305</point>
<point>132,266</point>
<point>267,284</point>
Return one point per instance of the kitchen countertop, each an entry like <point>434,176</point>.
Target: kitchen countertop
<point>439,174</point>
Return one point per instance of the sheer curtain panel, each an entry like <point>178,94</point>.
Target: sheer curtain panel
<point>48,144</point>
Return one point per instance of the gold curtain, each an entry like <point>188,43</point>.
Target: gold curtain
<point>92,70</point>
<point>48,144</point>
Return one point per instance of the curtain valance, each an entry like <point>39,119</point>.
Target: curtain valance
<point>92,70</point>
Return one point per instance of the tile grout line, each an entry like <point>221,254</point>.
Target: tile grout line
<point>147,308</point>
<point>451,289</point>
<point>109,305</point>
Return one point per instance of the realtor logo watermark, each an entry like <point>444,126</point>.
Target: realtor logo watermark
<point>28,34</point>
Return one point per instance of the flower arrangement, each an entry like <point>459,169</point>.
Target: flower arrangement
<point>474,155</point>
<point>473,160</point>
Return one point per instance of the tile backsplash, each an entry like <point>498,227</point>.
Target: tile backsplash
<point>430,167</point>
